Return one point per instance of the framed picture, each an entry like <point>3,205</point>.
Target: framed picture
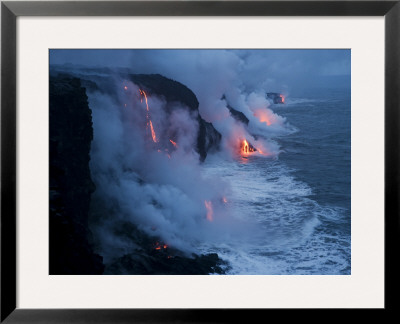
<point>196,161</point>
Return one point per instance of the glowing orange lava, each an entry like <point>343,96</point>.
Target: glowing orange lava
<point>158,246</point>
<point>246,148</point>
<point>208,205</point>
<point>224,200</point>
<point>173,143</point>
<point>145,97</point>
<point>125,88</point>
<point>283,98</point>
<point>153,133</point>
<point>149,123</point>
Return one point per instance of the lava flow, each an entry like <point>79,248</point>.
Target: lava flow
<point>153,133</point>
<point>149,123</point>
<point>159,246</point>
<point>247,148</point>
<point>209,208</point>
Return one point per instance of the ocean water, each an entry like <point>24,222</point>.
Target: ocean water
<point>287,214</point>
<point>300,202</point>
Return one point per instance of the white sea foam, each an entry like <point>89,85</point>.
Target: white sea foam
<point>289,236</point>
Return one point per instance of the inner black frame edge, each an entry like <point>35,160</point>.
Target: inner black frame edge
<point>10,10</point>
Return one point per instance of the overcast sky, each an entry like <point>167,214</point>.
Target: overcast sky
<point>277,70</point>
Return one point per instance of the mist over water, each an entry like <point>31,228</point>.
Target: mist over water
<point>283,209</point>
<point>301,200</point>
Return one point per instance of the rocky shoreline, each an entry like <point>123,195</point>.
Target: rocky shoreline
<point>71,188</point>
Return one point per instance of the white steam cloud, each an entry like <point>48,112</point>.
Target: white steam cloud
<point>156,182</point>
<point>157,186</point>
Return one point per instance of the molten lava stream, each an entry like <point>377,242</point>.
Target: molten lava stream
<point>153,133</point>
<point>246,149</point>
<point>149,123</point>
<point>143,93</point>
<point>209,208</point>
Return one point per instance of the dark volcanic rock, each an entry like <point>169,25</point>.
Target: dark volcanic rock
<point>152,257</point>
<point>71,186</point>
<point>238,115</point>
<point>154,84</point>
<point>71,189</point>
<point>209,138</point>
<point>160,263</point>
<point>171,90</point>
<point>276,97</point>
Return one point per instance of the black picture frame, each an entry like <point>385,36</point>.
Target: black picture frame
<point>10,10</point>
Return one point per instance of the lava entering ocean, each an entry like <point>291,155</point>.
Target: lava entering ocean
<point>247,148</point>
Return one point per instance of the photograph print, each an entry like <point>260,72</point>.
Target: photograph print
<point>200,162</point>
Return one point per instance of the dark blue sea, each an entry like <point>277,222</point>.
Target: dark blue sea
<point>301,199</point>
